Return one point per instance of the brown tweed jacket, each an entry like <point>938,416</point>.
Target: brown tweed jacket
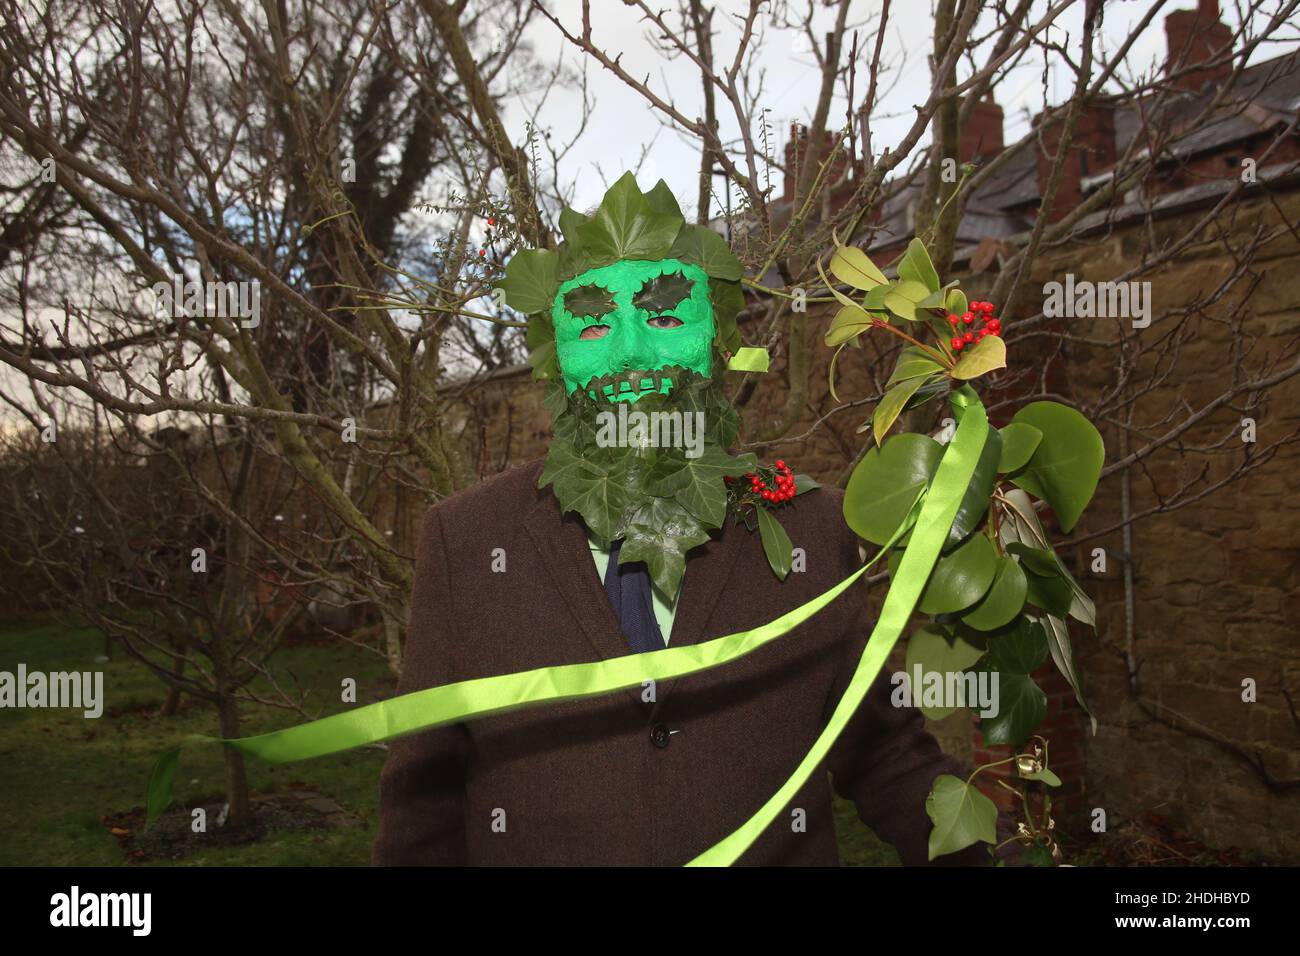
<point>616,780</point>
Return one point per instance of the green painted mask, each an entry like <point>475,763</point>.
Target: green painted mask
<point>634,314</point>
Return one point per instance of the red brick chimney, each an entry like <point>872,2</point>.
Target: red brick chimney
<point>1092,151</point>
<point>1197,36</point>
<point>981,136</point>
<point>797,157</point>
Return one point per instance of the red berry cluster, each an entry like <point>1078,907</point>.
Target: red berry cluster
<point>784,489</point>
<point>978,310</point>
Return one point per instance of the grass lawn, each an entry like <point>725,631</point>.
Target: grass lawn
<point>64,773</point>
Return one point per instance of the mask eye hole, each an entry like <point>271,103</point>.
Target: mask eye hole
<point>594,332</point>
<point>589,300</point>
<point>663,292</point>
<point>664,322</point>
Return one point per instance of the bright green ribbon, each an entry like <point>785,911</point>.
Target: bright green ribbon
<point>938,510</point>
<point>933,513</point>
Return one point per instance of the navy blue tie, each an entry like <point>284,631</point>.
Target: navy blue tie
<point>628,587</point>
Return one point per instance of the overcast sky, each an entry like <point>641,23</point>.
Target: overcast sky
<point>622,122</point>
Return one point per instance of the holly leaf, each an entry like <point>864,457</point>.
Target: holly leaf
<point>961,816</point>
<point>589,300</point>
<point>660,532</point>
<point>663,292</point>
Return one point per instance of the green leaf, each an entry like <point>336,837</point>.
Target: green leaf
<point>663,292</point>
<point>704,247</point>
<point>595,489</point>
<point>916,265</point>
<point>934,651</point>
<point>955,301</point>
<point>529,283</point>
<point>1066,465</point>
<point>1022,707</point>
<point>589,300</point>
<point>660,532</point>
<point>1045,775</point>
<point>1020,651</point>
<point>874,301</point>
<point>570,220</point>
<point>697,482</point>
<point>804,483</point>
<point>854,268</point>
<point>937,298</point>
<point>958,579</point>
<point>776,543</point>
<point>987,354</point>
<point>890,405</point>
<point>1018,443</point>
<point>885,484</point>
<point>912,362</point>
<point>849,323</point>
<point>1006,598</point>
<point>975,502</point>
<point>1052,594</point>
<point>1058,642</point>
<point>661,199</point>
<point>625,226</point>
<point>1038,560</point>
<point>961,816</point>
<point>903,297</point>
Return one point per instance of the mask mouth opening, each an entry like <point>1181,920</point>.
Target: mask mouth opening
<point>633,383</point>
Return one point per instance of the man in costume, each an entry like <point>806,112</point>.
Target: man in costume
<point>621,542</point>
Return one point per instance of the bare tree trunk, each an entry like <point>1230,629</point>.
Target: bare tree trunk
<point>240,814</point>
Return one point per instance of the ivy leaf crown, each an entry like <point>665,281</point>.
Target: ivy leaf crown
<point>628,225</point>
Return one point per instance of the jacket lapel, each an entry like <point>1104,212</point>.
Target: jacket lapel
<point>561,542</point>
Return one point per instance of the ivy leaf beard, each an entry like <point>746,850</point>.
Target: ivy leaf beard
<point>650,471</point>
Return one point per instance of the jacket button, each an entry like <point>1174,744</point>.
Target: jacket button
<point>660,735</point>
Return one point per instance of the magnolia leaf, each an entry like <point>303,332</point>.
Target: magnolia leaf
<point>975,501</point>
<point>589,300</point>
<point>1052,594</point>
<point>529,283</point>
<point>1038,560</point>
<point>1006,598</point>
<point>935,652</point>
<point>916,265</point>
<point>854,268</point>
<point>961,816</point>
<point>776,543</point>
<point>984,356</point>
<point>885,484</point>
<point>961,578</point>
<point>704,247</point>
<point>626,227</point>
<point>663,292</point>
<point>849,323</point>
<point>1018,443</point>
<point>1058,642</point>
<point>889,407</point>
<point>1066,465</point>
